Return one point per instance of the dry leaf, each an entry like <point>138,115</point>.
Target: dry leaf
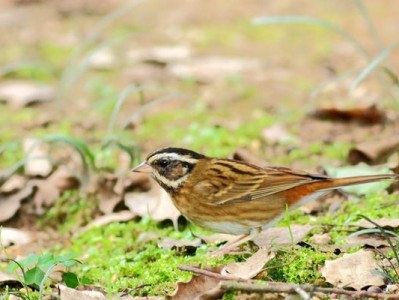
<point>102,59</point>
<point>10,204</point>
<point>67,293</point>
<point>155,203</point>
<point>383,222</point>
<point>14,236</point>
<point>321,239</point>
<point>22,93</point>
<point>14,183</point>
<point>198,288</point>
<point>161,55</point>
<point>373,240</point>
<point>121,216</point>
<point>218,237</point>
<point>9,279</point>
<point>245,155</point>
<point>353,270</point>
<point>109,196</point>
<point>249,268</point>
<point>277,134</point>
<point>374,151</point>
<point>49,189</point>
<point>280,236</point>
<point>37,158</point>
<point>370,115</point>
<point>169,243</point>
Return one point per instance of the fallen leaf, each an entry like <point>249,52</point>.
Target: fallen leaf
<point>218,237</point>
<point>374,151</point>
<point>10,204</point>
<point>245,155</point>
<point>321,239</point>
<point>37,158</point>
<point>383,222</point>
<point>121,216</point>
<point>207,69</point>
<point>369,115</point>
<point>359,170</point>
<point>14,183</point>
<point>66,293</point>
<point>200,287</point>
<point>249,268</point>
<point>280,236</point>
<point>373,240</point>
<point>160,54</point>
<point>9,279</point>
<point>49,189</point>
<point>169,243</point>
<point>22,93</point>
<point>353,270</point>
<point>108,195</point>
<point>277,134</point>
<point>14,236</point>
<point>155,203</point>
<point>103,59</point>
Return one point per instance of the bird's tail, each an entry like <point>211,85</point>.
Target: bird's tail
<point>341,182</point>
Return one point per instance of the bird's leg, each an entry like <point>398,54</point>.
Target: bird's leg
<point>228,247</point>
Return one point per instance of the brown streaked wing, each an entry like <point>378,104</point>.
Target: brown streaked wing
<point>263,183</point>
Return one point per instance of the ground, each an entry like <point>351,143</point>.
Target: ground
<point>208,76</point>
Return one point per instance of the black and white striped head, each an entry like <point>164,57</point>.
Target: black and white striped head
<point>170,166</point>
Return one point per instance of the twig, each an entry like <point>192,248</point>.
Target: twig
<point>211,274</point>
<point>282,287</point>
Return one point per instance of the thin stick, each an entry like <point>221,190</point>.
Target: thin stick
<point>282,287</point>
<point>211,274</point>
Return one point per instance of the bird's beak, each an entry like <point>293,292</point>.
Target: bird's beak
<point>143,168</point>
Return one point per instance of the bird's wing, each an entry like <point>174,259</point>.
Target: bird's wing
<point>263,183</point>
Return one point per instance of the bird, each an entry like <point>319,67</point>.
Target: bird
<point>235,197</point>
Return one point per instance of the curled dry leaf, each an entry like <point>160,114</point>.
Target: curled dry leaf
<point>67,293</point>
<point>251,267</point>
<point>383,222</point>
<point>22,93</point>
<point>374,151</point>
<point>10,204</point>
<point>353,270</point>
<point>49,189</point>
<point>369,115</point>
<point>198,288</point>
<point>169,243</point>
<point>14,236</point>
<point>121,216</point>
<point>280,236</point>
<point>155,203</point>
<point>37,158</point>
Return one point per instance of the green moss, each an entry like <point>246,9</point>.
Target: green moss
<point>117,258</point>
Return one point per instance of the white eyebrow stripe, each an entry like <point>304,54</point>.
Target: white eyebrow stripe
<point>173,156</point>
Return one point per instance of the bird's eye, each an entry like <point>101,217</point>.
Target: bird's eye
<point>163,163</point>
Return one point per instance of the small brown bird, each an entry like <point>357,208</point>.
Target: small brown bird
<point>236,197</point>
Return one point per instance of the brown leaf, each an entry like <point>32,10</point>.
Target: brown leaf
<point>14,236</point>
<point>37,158</point>
<point>14,183</point>
<point>280,236</point>
<point>245,155</point>
<point>198,288</point>
<point>249,268</point>
<point>375,151</point>
<point>169,243</point>
<point>67,293</point>
<point>10,204</point>
<point>353,270</point>
<point>369,115</point>
<point>109,192</point>
<point>373,240</point>
<point>276,134</point>
<point>121,216</point>
<point>321,239</point>
<point>383,222</point>
<point>22,93</point>
<point>49,189</point>
<point>155,203</point>
<point>9,279</point>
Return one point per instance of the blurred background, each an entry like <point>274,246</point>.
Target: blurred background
<point>88,87</point>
